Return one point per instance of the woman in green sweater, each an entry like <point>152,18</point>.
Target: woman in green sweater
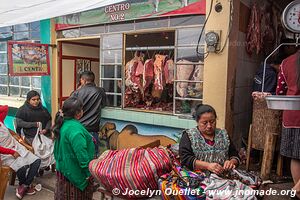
<point>73,151</point>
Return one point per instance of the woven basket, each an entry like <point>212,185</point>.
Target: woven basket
<point>263,120</point>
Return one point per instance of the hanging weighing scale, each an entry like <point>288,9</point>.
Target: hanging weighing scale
<point>291,17</point>
<point>291,21</point>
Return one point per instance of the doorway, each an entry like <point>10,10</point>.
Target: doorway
<point>76,56</point>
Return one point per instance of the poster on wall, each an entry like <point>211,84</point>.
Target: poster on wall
<point>130,10</point>
<point>81,66</point>
<point>28,59</point>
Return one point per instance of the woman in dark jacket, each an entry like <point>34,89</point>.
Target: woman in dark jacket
<point>31,116</point>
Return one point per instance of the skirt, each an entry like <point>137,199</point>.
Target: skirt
<point>65,190</point>
<point>290,143</point>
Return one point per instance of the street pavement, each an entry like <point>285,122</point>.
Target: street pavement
<point>47,181</point>
<point>44,194</point>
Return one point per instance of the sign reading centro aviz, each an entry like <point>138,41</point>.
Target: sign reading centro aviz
<point>28,59</point>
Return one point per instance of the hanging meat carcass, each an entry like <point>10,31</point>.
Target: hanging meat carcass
<point>253,37</point>
<point>195,89</point>
<point>133,80</point>
<point>268,34</point>
<point>168,78</point>
<point>133,70</point>
<point>183,72</point>
<point>169,71</point>
<point>159,81</point>
<point>148,74</point>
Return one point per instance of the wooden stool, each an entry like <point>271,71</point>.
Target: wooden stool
<point>266,166</point>
<point>5,172</point>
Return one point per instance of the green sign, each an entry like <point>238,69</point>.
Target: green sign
<point>130,10</point>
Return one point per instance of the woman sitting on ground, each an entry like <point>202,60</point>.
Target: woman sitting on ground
<point>31,116</point>
<point>73,151</point>
<point>17,157</point>
<point>207,147</point>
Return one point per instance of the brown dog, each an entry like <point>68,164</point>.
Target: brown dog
<point>109,133</point>
<point>129,137</point>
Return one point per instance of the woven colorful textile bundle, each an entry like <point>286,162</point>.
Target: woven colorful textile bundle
<point>131,169</point>
<point>181,184</point>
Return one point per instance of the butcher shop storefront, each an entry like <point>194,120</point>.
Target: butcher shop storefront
<point>146,55</point>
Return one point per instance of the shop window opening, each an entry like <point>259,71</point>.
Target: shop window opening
<point>152,72</point>
<point>149,71</point>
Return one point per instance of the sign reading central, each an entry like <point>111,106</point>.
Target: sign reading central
<point>28,59</point>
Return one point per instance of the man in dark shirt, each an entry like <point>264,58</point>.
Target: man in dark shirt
<point>94,99</point>
<point>270,77</point>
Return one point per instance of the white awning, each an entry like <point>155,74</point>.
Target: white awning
<point>24,11</point>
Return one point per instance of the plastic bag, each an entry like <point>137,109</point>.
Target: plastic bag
<point>43,148</point>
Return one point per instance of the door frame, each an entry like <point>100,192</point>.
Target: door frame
<point>60,43</point>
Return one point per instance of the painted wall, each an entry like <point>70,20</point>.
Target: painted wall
<point>67,77</point>
<point>46,80</point>
<point>216,65</point>
<point>79,50</point>
<point>147,118</point>
<point>9,120</point>
<point>148,129</point>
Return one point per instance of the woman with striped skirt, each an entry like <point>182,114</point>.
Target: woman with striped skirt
<point>73,151</point>
<point>289,84</point>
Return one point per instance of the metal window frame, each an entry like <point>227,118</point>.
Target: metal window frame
<point>20,86</point>
<point>115,65</point>
<point>176,98</point>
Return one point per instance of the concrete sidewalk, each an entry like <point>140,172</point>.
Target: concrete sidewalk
<point>44,194</point>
